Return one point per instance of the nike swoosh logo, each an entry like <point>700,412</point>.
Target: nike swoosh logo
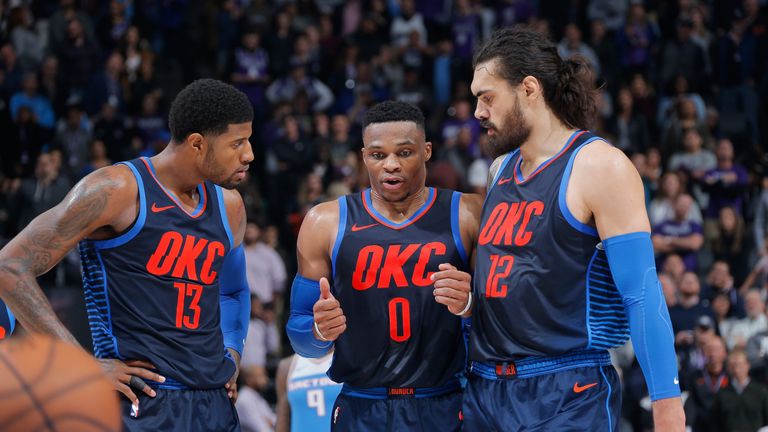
<point>156,209</point>
<point>505,180</point>
<point>579,389</point>
<point>360,228</point>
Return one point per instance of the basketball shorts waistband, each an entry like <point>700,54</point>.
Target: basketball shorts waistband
<point>168,384</point>
<point>534,366</point>
<point>450,386</point>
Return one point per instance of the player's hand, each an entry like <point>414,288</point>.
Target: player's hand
<point>329,318</point>
<point>231,385</point>
<point>452,288</point>
<point>127,376</point>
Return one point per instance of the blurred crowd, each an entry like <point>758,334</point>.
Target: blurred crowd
<point>683,90</point>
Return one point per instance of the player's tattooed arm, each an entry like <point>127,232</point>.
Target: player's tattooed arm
<point>493,170</point>
<point>90,205</point>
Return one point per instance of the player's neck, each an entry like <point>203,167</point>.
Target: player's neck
<point>182,182</point>
<point>547,138</point>
<point>399,211</point>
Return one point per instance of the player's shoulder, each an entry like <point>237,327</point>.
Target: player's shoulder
<point>114,182</point>
<point>471,201</point>
<point>323,215</point>
<point>233,201</point>
<point>600,159</point>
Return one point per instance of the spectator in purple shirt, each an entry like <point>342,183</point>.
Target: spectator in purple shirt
<point>465,28</point>
<point>250,69</point>
<point>726,182</point>
<point>679,235</point>
<point>637,40</point>
<point>462,119</point>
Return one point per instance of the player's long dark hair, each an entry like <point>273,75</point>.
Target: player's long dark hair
<point>568,84</point>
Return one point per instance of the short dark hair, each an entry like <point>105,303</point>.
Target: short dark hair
<point>393,111</point>
<point>207,106</point>
<point>568,84</point>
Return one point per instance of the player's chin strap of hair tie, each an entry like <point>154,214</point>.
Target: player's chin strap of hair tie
<point>463,311</point>
<point>317,329</point>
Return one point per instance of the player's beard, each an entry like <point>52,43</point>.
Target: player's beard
<point>216,172</point>
<point>513,135</point>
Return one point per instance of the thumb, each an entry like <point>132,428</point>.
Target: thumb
<point>446,266</point>
<point>325,289</point>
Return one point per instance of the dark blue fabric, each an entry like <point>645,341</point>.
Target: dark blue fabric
<point>181,411</point>
<point>440,413</point>
<point>545,403</point>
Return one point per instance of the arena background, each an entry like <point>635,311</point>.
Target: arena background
<point>683,90</point>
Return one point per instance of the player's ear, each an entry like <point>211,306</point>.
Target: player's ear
<point>427,150</point>
<point>531,87</point>
<point>196,141</point>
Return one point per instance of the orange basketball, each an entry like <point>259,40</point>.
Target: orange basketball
<point>49,385</point>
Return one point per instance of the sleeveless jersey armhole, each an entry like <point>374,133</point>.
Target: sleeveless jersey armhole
<point>224,217</point>
<point>138,223</point>
<point>339,232</point>
<point>456,227</point>
<point>569,217</point>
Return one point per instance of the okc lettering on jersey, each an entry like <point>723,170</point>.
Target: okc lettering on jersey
<point>178,255</point>
<point>507,220</point>
<point>380,267</point>
<point>310,383</point>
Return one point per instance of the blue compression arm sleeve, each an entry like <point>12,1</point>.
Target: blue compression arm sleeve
<point>304,294</point>
<point>630,257</point>
<point>235,300</point>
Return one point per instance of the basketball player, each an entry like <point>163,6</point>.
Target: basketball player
<point>163,267</point>
<point>305,394</point>
<point>7,321</point>
<point>397,256</point>
<point>565,265</point>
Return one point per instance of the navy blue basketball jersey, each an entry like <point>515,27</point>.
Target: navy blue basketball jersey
<point>397,335</point>
<point>7,321</point>
<point>542,284</point>
<point>152,293</point>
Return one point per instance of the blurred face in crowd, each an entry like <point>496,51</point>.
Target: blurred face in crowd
<point>683,205</point>
<point>692,141</point>
<point>98,150</point>
<point>29,84</point>
<point>714,355</point>
<point>728,219</point>
<point>724,150</point>
<point>252,233</point>
<point>499,110</point>
<point>251,41</point>
<point>689,286</point>
<point>721,305</point>
<point>625,99</point>
<point>670,185</point>
<point>753,303</point>
<point>738,366</point>
<point>572,35</point>
<point>673,266</point>
<point>720,275</point>
<point>395,154</point>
